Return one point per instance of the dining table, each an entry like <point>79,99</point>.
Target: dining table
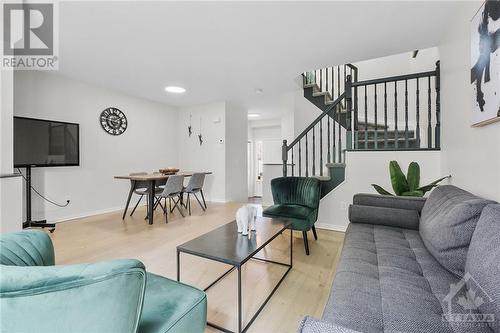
<point>151,180</point>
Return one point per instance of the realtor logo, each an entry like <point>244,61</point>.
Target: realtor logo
<point>464,301</point>
<point>29,38</point>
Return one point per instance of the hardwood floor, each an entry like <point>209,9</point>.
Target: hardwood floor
<point>303,292</point>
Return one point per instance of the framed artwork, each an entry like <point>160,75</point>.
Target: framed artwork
<point>485,64</point>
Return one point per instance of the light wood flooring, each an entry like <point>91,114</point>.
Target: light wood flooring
<point>303,292</point>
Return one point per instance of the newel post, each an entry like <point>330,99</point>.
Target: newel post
<point>437,129</point>
<point>284,157</point>
<point>348,101</point>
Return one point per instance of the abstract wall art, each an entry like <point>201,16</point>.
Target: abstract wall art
<point>485,64</point>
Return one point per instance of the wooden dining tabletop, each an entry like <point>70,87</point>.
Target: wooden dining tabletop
<point>159,176</point>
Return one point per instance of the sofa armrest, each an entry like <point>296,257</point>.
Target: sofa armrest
<point>313,325</point>
<point>392,217</point>
<point>389,201</point>
<point>100,297</point>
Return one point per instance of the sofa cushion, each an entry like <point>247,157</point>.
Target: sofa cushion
<point>386,281</point>
<point>448,220</point>
<point>483,263</point>
<point>173,307</point>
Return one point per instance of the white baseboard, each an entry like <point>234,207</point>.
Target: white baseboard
<point>217,200</point>
<point>329,226</point>
<point>71,218</point>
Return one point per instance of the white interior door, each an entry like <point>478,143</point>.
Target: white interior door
<point>251,169</point>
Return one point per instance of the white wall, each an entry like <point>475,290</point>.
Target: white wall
<point>471,155</point>
<point>10,188</point>
<point>211,155</point>
<point>397,64</point>
<point>287,126</point>
<point>7,106</point>
<point>365,168</point>
<point>149,143</point>
<point>236,153</point>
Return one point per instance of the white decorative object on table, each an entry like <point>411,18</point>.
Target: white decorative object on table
<point>246,216</point>
<point>242,219</point>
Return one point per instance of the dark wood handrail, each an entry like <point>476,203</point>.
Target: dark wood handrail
<point>394,78</point>
<point>317,120</point>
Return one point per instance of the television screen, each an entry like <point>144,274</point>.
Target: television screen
<point>43,143</point>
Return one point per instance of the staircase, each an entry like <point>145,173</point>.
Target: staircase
<point>385,114</point>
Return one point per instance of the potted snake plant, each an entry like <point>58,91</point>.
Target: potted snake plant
<point>407,185</point>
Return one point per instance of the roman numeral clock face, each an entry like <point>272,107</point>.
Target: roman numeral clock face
<point>113,121</point>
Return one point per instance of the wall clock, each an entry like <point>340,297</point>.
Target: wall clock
<point>113,121</point>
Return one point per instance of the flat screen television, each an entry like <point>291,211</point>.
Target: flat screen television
<point>45,143</point>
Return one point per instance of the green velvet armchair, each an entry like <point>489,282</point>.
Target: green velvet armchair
<point>296,198</point>
<point>111,296</point>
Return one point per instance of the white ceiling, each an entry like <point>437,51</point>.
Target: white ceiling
<point>225,50</point>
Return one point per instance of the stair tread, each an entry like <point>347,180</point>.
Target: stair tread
<point>388,140</point>
<point>322,93</point>
<point>383,131</point>
<point>322,178</point>
<point>335,165</point>
<point>310,85</point>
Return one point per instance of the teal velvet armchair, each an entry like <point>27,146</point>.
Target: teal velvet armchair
<point>110,296</point>
<point>296,198</point>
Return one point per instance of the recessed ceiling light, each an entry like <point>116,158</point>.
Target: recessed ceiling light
<point>253,115</point>
<point>259,91</point>
<point>175,90</point>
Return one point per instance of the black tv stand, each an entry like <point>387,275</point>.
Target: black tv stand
<point>30,223</point>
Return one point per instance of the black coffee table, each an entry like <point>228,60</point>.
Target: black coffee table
<point>225,245</point>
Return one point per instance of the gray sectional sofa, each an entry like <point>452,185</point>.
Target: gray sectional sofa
<point>407,264</point>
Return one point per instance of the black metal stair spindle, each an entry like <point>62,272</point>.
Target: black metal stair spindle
<point>334,140</point>
<point>307,158</point>
<point>340,144</point>
<point>321,147</point>
<point>406,114</point>
<point>356,118</point>
<point>366,117</point>
<point>349,117</point>
<point>293,165</point>
<point>314,151</point>
<point>329,155</point>
<point>396,133</point>
<point>375,135</point>
<point>284,157</point>
<point>417,128</point>
<point>437,129</point>
<point>429,115</point>
<point>300,159</point>
<point>345,75</point>
<point>385,115</point>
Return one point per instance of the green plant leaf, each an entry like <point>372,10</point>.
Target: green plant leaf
<point>435,183</point>
<point>413,176</point>
<point>380,190</point>
<point>398,179</point>
<point>413,194</point>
